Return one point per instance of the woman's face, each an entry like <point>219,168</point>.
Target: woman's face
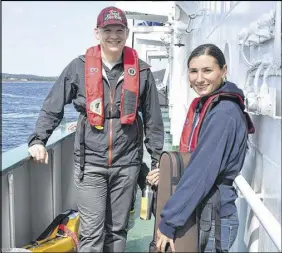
<point>205,76</point>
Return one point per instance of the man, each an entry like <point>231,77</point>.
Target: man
<point>108,86</point>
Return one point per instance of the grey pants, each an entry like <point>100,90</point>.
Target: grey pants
<point>103,199</point>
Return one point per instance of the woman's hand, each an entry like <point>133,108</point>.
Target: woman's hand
<point>153,177</point>
<point>162,240</point>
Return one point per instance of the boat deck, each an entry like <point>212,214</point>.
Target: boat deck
<point>140,236</point>
<point>141,233</point>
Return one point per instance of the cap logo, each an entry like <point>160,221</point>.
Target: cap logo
<point>131,71</point>
<point>112,15</point>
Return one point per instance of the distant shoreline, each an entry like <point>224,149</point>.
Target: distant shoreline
<point>15,81</point>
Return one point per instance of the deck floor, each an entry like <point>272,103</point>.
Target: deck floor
<point>140,236</point>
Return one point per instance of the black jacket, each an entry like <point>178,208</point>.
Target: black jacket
<point>127,140</point>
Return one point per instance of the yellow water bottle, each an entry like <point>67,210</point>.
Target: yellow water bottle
<point>146,203</point>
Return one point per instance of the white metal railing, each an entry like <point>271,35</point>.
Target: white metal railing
<point>265,217</point>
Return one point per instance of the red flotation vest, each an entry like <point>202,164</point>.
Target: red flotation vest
<point>94,88</point>
<point>187,128</point>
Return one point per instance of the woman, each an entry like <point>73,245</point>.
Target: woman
<point>218,151</point>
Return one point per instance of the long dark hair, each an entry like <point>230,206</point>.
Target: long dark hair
<point>208,49</point>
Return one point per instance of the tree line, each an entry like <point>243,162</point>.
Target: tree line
<point>26,77</point>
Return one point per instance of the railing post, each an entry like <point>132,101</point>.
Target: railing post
<point>11,210</point>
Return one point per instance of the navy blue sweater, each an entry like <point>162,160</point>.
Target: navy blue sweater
<point>221,147</point>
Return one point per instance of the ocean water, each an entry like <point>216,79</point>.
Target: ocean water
<point>21,103</point>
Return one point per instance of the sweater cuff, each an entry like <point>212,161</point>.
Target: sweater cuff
<point>167,230</point>
<point>36,141</point>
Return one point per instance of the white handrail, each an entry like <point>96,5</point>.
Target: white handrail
<point>265,217</point>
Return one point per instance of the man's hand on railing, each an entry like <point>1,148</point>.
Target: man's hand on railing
<point>39,153</point>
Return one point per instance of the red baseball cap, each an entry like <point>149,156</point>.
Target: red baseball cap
<point>111,16</point>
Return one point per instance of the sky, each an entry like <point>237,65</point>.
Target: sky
<point>41,38</point>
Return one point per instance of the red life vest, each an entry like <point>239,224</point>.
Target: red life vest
<point>187,128</point>
<point>94,88</point>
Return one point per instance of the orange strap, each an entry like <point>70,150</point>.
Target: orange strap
<point>70,234</point>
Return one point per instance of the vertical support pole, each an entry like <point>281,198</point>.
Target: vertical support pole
<point>11,210</point>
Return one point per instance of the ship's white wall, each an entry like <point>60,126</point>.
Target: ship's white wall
<point>262,167</point>
<point>180,93</point>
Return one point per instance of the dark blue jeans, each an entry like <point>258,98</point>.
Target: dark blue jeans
<point>229,230</point>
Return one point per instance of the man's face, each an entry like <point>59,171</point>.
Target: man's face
<point>112,38</point>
